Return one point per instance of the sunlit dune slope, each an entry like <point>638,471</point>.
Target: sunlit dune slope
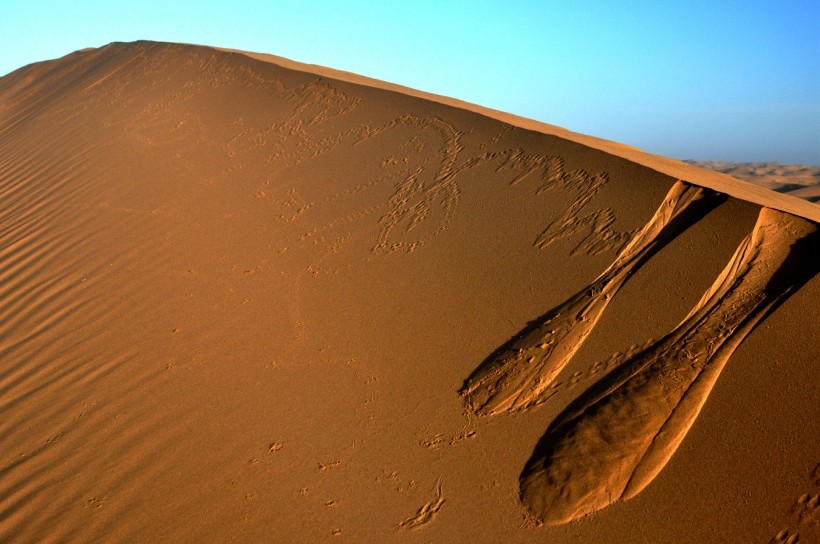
<point>248,302</point>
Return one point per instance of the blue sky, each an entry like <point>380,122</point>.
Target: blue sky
<point>729,80</point>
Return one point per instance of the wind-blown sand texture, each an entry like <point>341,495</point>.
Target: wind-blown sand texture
<point>240,297</point>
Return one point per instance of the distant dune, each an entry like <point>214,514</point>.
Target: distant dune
<point>795,179</point>
<point>248,300</point>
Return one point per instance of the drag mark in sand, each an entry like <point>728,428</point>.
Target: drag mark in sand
<point>426,513</point>
<point>520,373</point>
<point>613,440</point>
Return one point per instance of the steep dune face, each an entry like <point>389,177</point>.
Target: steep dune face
<point>239,302</point>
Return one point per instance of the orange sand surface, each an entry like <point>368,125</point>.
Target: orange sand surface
<point>795,179</point>
<point>248,300</point>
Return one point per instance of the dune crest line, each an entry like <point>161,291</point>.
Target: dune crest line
<point>516,375</point>
<point>614,439</point>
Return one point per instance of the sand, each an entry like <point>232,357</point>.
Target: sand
<point>249,300</point>
<point>797,180</point>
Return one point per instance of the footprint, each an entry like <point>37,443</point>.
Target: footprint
<point>807,509</point>
<point>805,515</point>
<point>613,440</point>
<point>785,537</point>
<point>517,374</point>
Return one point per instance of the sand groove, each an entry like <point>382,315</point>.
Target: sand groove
<point>617,437</point>
<point>519,373</point>
<point>427,512</point>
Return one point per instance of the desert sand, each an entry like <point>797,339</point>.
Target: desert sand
<point>797,180</point>
<point>249,300</point>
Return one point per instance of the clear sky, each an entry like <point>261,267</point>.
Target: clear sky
<point>713,80</point>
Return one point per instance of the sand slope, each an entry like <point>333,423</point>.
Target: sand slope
<point>245,302</point>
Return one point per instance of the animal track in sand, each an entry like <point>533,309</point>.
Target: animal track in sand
<point>296,129</point>
<point>807,509</point>
<point>325,467</point>
<point>397,483</point>
<point>414,197</point>
<point>575,380</point>
<point>312,103</point>
<point>427,194</point>
<point>613,440</point>
<point>597,224</point>
<point>414,200</point>
<point>806,515</point>
<point>521,372</point>
<point>466,432</point>
<point>785,537</point>
<point>583,376</point>
<point>95,502</point>
<point>293,140</point>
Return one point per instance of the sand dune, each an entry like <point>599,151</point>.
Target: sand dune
<point>249,300</point>
<point>794,179</point>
